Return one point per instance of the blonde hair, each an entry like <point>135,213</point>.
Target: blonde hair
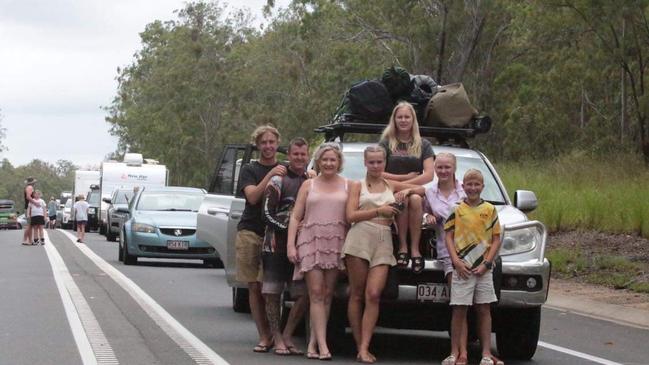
<point>390,132</point>
<point>471,174</point>
<point>261,130</point>
<point>451,157</point>
<point>322,149</point>
<point>375,148</point>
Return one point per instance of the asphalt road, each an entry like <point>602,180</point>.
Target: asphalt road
<point>188,317</point>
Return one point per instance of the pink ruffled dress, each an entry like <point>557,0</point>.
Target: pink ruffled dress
<point>324,227</point>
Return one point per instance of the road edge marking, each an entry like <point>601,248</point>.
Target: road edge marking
<point>91,342</point>
<point>574,353</point>
<point>192,345</point>
<point>599,317</point>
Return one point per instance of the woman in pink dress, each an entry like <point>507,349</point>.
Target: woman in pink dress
<point>319,213</point>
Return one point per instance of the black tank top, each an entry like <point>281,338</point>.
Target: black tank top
<point>25,194</point>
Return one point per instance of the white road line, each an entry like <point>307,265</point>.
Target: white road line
<point>192,345</point>
<point>582,355</point>
<point>92,344</point>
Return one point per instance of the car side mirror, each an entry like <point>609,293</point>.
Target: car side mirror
<point>122,210</point>
<point>525,200</point>
<point>106,200</point>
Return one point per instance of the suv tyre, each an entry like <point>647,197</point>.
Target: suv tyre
<point>240,302</point>
<point>517,332</point>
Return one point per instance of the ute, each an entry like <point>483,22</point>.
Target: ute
<point>521,275</point>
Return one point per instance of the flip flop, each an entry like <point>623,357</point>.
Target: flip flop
<point>294,350</point>
<point>282,352</point>
<point>325,357</point>
<point>262,348</point>
<point>486,361</point>
<point>312,355</point>
<point>450,360</point>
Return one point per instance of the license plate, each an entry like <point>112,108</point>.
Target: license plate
<point>438,293</point>
<point>178,245</point>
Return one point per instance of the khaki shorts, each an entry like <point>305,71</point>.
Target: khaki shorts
<point>248,252</point>
<point>473,290</point>
<point>371,242</point>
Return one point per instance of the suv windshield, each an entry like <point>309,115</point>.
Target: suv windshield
<point>170,201</point>
<point>93,198</point>
<point>354,169</point>
<point>123,197</point>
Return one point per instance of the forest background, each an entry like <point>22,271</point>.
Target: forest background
<point>564,82</point>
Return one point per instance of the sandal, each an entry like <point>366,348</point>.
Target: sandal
<point>418,264</point>
<point>262,348</point>
<point>497,361</point>
<point>325,357</point>
<point>450,360</point>
<point>312,355</point>
<point>486,361</point>
<point>294,350</point>
<point>282,352</point>
<point>403,259</point>
<point>367,360</point>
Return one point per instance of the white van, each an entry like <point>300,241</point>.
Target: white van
<point>133,171</point>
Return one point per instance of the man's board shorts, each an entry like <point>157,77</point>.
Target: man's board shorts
<point>473,290</point>
<point>248,256</point>
<point>278,275</point>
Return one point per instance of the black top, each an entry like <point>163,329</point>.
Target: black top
<point>279,199</point>
<point>401,163</point>
<point>252,174</point>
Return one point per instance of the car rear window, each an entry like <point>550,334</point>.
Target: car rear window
<point>170,201</point>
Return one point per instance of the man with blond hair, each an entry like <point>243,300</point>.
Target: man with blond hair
<point>253,179</point>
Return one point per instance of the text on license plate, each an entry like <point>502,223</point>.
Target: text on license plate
<point>178,245</point>
<point>433,292</point>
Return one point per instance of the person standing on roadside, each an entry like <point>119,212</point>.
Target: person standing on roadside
<point>279,198</point>
<point>81,217</point>
<point>51,212</point>
<point>410,160</point>
<point>36,213</point>
<point>253,179</point>
<point>29,198</point>
<point>316,233</point>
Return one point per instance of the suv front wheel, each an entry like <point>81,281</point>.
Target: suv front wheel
<point>517,332</point>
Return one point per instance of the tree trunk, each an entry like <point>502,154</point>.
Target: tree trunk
<point>442,45</point>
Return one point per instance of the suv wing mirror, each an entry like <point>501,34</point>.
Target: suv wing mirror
<point>106,200</point>
<point>525,200</point>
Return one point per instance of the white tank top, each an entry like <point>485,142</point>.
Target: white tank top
<point>368,201</point>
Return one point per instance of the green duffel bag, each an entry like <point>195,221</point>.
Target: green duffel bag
<point>450,107</point>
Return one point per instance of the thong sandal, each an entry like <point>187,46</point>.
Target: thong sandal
<point>294,350</point>
<point>403,259</point>
<point>450,360</point>
<point>486,361</point>
<point>282,352</point>
<point>418,264</point>
<point>262,348</point>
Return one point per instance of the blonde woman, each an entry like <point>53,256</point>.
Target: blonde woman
<point>315,250</point>
<point>368,250</point>
<point>410,160</point>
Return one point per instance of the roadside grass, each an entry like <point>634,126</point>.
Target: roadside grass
<point>613,271</point>
<point>578,191</point>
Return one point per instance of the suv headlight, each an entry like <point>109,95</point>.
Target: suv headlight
<point>144,228</point>
<point>91,210</point>
<point>520,240</point>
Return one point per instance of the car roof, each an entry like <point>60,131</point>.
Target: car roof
<point>166,189</point>
<point>359,147</point>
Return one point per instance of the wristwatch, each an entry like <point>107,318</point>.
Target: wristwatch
<point>488,264</point>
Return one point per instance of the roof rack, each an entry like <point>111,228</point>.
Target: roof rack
<point>444,135</point>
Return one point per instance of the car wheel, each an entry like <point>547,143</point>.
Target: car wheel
<point>128,258</point>
<point>240,302</point>
<point>120,253</point>
<point>517,332</point>
<point>214,263</point>
<point>102,229</point>
<point>110,236</point>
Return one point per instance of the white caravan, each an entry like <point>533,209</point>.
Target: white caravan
<point>83,179</point>
<point>133,171</point>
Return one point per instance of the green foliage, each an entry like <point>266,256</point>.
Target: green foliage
<point>581,191</point>
<point>52,179</point>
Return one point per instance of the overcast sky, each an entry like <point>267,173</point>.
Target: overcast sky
<point>58,63</point>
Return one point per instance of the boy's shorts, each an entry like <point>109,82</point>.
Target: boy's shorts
<point>52,217</point>
<point>473,290</point>
<point>248,252</point>
<point>81,223</point>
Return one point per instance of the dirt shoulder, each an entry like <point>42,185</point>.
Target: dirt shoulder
<point>575,276</point>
